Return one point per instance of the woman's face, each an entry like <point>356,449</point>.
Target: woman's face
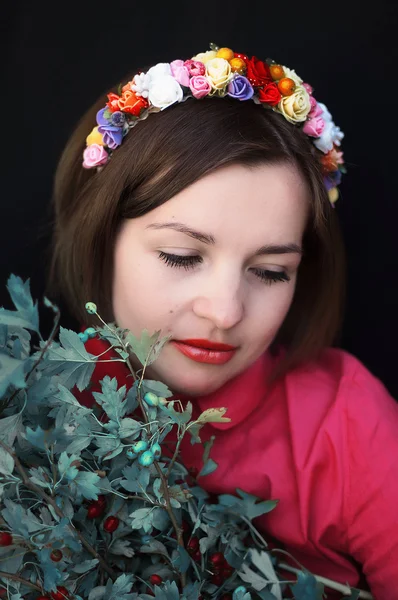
<point>220,290</point>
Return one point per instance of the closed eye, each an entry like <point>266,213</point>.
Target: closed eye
<point>189,262</point>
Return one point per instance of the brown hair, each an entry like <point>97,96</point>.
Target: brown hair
<point>161,156</point>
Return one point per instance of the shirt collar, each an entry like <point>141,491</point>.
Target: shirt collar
<point>240,395</point>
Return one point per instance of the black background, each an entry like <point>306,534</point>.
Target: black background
<point>60,58</point>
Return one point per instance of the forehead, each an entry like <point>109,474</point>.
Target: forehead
<point>269,200</point>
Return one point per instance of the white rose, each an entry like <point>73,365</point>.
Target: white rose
<point>142,81</point>
<point>164,91</point>
<point>293,75</point>
<point>296,107</point>
<point>326,116</point>
<point>218,72</point>
<point>159,70</point>
<point>330,135</point>
<point>205,56</point>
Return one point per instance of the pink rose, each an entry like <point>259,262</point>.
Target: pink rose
<point>180,72</point>
<point>195,67</point>
<point>315,108</point>
<point>94,156</point>
<point>200,86</point>
<point>308,87</point>
<point>314,127</point>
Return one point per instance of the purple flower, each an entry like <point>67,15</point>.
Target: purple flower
<point>240,88</point>
<point>101,120</point>
<point>332,179</point>
<point>118,119</point>
<point>111,135</point>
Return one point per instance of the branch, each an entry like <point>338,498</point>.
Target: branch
<point>333,585</point>
<point>168,507</point>
<point>40,357</point>
<point>20,580</point>
<point>35,488</point>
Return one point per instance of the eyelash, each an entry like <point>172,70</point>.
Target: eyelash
<point>189,262</point>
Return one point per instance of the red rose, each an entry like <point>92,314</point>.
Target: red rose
<point>270,94</point>
<point>131,103</point>
<point>258,72</point>
<point>113,102</point>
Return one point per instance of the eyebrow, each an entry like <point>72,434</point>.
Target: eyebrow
<point>210,239</point>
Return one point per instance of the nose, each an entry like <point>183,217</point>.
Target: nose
<point>221,301</point>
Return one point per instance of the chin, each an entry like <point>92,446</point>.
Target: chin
<point>191,384</point>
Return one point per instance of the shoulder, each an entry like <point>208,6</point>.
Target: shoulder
<point>341,382</point>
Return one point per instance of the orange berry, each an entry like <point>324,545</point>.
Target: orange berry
<point>286,86</point>
<point>226,53</point>
<point>277,72</point>
<point>238,65</point>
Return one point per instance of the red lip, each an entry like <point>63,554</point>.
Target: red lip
<point>207,344</point>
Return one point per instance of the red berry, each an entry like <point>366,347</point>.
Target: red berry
<point>111,524</point>
<point>193,471</point>
<point>217,558</point>
<point>226,597</point>
<point>42,597</point>
<point>217,579</point>
<point>56,555</point>
<point>5,538</point>
<point>227,571</point>
<point>94,511</point>
<point>155,579</point>
<point>60,594</point>
<point>193,544</point>
<point>101,500</point>
<point>197,556</point>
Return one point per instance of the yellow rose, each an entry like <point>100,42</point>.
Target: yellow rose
<point>293,75</point>
<point>296,107</point>
<point>94,138</point>
<point>204,57</point>
<point>333,194</point>
<point>219,73</point>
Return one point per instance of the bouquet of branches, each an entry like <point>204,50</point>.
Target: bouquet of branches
<point>92,508</point>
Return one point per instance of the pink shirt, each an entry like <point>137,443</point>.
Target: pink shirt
<point>323,440</point>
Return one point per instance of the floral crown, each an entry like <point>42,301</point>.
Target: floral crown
<point>218,72</point>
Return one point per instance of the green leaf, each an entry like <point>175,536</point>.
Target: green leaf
<point>6,462</point>
<point>87,485</point>
<point>26,315</point>
<point>156,387</point>
<point>307,587</point>
<point>183,560</point>
<point>19,520</point>
<point>178,417</point>
<point>52,574</point>
<point>85,566</point>
<point>213,415</point>
<point>10,427</point>
<point>41,438</point>
<point>12,372</point>
<point>111,399</point>
<point>208,468</point>
<point>137,478</point>
<point>142,519</point>
<point>168,591</point>
<point>155,547</point>
<point>263,562</point>
<point>249,506</point>
<point>64,466</point>
<point>70,360</point>
<point>147,348</point>
<point>121,588</point>
<point>129,427</point>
